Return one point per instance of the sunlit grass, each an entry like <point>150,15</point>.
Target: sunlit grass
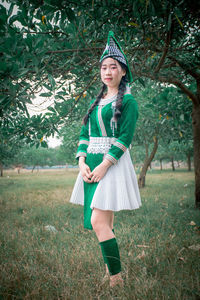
<point>154,241</point>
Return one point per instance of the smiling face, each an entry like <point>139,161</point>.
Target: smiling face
<point>111,72</point>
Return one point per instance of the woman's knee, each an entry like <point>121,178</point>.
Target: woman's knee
<point>96,222</point>
<point>100,220</point>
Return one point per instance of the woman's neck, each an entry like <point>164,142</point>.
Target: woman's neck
<point>110,93</point>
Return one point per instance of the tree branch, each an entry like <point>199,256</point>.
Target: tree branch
<point>166,48</point>
<point>92,49</point>
<point>75,50</point>
<point>168,66</point>
<point>80,94</point>
<point>185,68</point>
<point>186,91</point>
<point>187,45</point>
<point>174,81</point>
<point>47,32</point>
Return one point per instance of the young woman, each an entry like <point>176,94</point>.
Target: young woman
<point>107,181</point>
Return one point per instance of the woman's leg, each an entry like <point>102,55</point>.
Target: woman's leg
<point>112,226</point>
<point>102,223</point>
<point>112,222</point>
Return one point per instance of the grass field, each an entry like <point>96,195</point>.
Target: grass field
<point>159,243</point>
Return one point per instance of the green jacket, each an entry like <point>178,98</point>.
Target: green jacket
<point>101,124</point>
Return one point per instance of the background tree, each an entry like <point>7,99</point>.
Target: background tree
<point>32,157</point>
<point>11,139</point>
<point>70,138</point>
<point>164,118</point>
<point>8,151</point>
<point>161,154</point>
<point>187,149</point>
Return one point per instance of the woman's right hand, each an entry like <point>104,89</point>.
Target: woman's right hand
<point>85,170</point>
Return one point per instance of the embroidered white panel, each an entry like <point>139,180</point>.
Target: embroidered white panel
<point>100,145</point>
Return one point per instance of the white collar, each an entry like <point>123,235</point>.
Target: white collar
<point>108,100</point>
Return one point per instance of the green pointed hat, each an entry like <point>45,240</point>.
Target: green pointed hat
<point>114,50</point>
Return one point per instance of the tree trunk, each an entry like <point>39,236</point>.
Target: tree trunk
<point>189,161</point>
<point>148,160</point>
<point>1,169</point>
<point>172,160</point>
<point>161,163</point>
<point>147,150</point>
<point>33,169</point>
<point>196,135</point>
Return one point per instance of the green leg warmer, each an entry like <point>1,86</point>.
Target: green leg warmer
<point>110,252</point>
<point>114,233</point>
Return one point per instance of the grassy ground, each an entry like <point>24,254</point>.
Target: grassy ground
<point>155,241</point>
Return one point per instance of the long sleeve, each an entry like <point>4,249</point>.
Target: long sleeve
<point>127,124</point>
<point>83,141</point>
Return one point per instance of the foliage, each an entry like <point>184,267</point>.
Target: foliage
<point>56,45</point>
<point>32,157</point>
<point>70,139</point>
<point>10,142</point>
<point>177,150</point>
<point>164,112</point>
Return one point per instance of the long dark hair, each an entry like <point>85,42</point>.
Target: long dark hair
<point>121,91</point>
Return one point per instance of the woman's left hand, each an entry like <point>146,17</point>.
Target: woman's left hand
<point>99,172</point>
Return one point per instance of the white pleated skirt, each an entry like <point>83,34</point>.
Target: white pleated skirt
<point>117,190</point>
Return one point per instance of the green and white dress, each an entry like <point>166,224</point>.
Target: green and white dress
<point>101,138</point>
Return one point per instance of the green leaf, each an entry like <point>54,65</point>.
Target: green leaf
<point>141,81</point>
<point>23,72</point>
<point>70,15</point>
<point>44,144</point>
<point>10,9</point>
<point>48,87</point>
<point>13,19</point>
<point>57,17</point>
<point>22,20</point>
<point>3,66</point>
<point>181,24</point>
<point>169,22</point>
<point>45,94</point>
<point>3,14</point>
<point>29,41</point>
<point>59,97</point>
<point>51,80</point>
<point>52,109</point>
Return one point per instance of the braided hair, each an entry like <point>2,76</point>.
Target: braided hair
<point>121,91</point>
<point>86,117</point>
